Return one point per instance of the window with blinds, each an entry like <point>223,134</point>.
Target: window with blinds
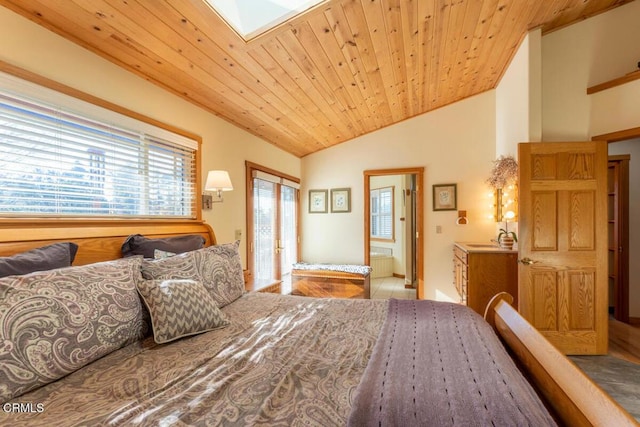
<point>55,161</point>
<point>382,206</point>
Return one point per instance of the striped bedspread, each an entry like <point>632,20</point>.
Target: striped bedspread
<point>440,364</point>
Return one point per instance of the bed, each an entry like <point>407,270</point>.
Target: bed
<point>285,360</point>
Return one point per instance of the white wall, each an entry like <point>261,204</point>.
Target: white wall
<point>518,98</point>
<point>519,102</point>
<point>632,147</point>
<point>455,144</point>
<point>582,55</point>
<point>615,109</point>
<point>29,46</point>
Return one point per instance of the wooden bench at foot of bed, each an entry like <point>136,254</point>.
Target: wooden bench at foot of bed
<point>331,281</point>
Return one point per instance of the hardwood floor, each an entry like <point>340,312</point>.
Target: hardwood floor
<point>624,341</point>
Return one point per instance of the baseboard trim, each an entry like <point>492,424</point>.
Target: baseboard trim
<point>635,321</point>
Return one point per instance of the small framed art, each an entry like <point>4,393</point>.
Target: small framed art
<point>318,201</point>
<point>445,197</point>
<point>340,200</point>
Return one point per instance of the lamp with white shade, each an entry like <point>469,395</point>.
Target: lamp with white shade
<point>217,181</point>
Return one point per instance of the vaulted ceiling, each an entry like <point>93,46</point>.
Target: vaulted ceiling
<point>341,70</point>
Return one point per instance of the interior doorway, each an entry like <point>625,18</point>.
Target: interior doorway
<point>395,196</point>
<point>618,230</point>
<point>624,224</point>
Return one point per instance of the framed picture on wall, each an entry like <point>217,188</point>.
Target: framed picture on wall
<point>445,197</point>
<point>318,201</point>
<point>340,200</point>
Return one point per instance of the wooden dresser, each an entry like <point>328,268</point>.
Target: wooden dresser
<point>482,270</point>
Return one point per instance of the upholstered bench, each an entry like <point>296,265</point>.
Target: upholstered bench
<point>330,280</point>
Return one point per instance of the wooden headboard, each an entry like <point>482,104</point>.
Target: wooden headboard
<point>97,240</point>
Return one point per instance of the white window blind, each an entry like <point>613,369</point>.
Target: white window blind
<point>275,179</point>
<point>56,161</point>
<point>381,205</point>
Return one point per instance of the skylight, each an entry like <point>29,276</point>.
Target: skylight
<point>253,17</point>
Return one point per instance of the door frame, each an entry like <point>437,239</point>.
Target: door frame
<point>419,173</point>
<point>620,252</point>
<point>610,138</point>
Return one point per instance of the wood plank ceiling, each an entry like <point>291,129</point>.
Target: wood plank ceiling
<point>341,70</point>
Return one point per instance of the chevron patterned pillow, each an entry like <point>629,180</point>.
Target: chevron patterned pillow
<point>179,308</point>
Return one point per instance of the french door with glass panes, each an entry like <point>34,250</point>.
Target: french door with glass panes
<point>272,217</point>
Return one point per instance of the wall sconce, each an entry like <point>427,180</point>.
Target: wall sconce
<point>462,218</point>
<point>217,181</point>
<point>503,179</point>
<point>505,201</point>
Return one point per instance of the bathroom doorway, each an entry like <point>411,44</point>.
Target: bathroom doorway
<point>393,218</point>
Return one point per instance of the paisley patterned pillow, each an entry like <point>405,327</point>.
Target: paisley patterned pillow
<point>218,267</point>
<point>54,322</point>
<point>179,308</point>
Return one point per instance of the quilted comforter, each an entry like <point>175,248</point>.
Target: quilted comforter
<point>283,360</point>
<point>439,364</point>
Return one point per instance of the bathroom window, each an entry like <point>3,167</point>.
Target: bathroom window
<point>382,208</point>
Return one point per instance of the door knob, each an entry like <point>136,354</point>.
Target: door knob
<point>526,261</point>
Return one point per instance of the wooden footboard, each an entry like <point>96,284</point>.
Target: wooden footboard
<point>572,396</point>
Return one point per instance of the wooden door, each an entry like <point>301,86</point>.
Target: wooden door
<point>272,223</point>
<point>563,243</point>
